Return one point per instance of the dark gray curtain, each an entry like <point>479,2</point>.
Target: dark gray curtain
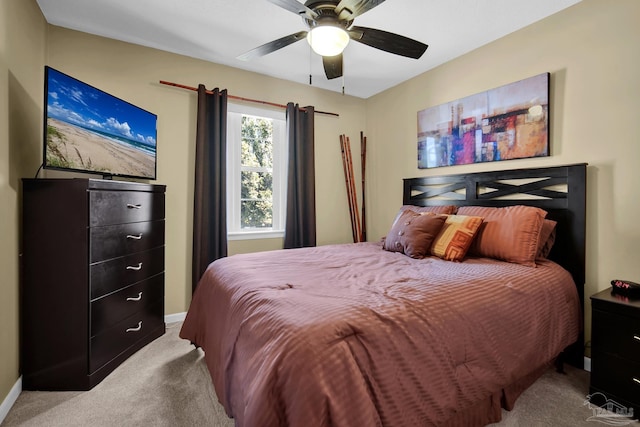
<point>210,206</point>
<point>300,226</point>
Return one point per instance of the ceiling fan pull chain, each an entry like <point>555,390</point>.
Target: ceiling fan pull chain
<point>310,59</point>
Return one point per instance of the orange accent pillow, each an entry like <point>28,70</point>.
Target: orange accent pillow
<point>510,234</point>
<point>412,233</point>
<point>455,237</point>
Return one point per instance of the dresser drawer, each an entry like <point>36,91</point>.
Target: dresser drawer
<point>616,334</point>
<point>113,341</point>
<point>119,207</point>
<point>616,375</point>
<point>113,241</point>
<point>110,309</point>
<point>109,276</point>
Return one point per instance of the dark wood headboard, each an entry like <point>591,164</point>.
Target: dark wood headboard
<point>560,190</point>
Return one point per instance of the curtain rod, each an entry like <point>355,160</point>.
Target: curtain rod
<point>195,89</point>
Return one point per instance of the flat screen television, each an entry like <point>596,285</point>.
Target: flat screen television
<point>88,130</point>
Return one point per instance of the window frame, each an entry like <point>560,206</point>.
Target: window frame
<point>234,169</point>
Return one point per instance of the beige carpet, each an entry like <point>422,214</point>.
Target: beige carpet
<point>167,384</point>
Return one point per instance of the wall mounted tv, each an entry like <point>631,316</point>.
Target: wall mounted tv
<point>88,130</point>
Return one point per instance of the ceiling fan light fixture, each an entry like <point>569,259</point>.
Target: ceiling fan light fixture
<point>327,40</point>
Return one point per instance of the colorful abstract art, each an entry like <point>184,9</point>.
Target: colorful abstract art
<point>508,122</point>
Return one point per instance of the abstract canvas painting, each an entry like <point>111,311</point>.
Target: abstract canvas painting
<point>508,122</point>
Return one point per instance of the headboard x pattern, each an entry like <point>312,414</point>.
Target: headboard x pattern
<point>560,190</point>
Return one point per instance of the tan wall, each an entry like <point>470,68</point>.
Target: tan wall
<point>21,72</point>
<point>591,52</point>
<point>133,72</point>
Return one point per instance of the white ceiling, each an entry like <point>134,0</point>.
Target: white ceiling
<point>220,30</point>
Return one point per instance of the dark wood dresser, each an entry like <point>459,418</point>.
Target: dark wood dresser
<point>615,350</point>
<point>92,278</point>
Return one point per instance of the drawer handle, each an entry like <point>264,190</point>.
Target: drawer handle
<point>130,206</point>
<point>134,267</point>
<point>636,380</point>
<point>134,237</point>
<point>136,329</point>
<point>138,298</point>
<point>635,337</point>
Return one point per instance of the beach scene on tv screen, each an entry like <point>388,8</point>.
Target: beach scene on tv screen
<point>90,130</point>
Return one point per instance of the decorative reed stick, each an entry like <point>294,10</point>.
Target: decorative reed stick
<point>357,230</point>
<point>346,181</point>
<point>363,163</point>
<point>353,195</point>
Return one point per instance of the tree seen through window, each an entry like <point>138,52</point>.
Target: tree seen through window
<point>256,197</point>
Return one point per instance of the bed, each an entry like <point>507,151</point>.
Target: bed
<point>371,334</point>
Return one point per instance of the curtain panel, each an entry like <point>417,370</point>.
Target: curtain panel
<point>300,225</point>
<point>210,207</point>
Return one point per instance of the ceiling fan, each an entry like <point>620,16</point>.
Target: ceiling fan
<point>331,27</point>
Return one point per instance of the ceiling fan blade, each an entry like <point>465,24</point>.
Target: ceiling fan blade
<point>295,7</point>
<point>272,46</point>
<point>332,66</point>
<point>389,42</point>
<point>349,9</point>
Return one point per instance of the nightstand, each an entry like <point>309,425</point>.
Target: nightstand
<point>615,349</point>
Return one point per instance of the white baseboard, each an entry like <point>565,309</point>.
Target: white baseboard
<point>11,398</point>
<point>176,317</point>
<point>587,364</point>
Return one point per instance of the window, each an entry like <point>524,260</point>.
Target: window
<point>256,172</point>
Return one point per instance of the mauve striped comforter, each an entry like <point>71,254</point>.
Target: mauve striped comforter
<point>352,335</point>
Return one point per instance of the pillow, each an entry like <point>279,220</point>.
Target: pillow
<point>412,233</point>
<point>510,234</point>
<point>547,238</point>
<point>445,210</point>
<point>455,237</point>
